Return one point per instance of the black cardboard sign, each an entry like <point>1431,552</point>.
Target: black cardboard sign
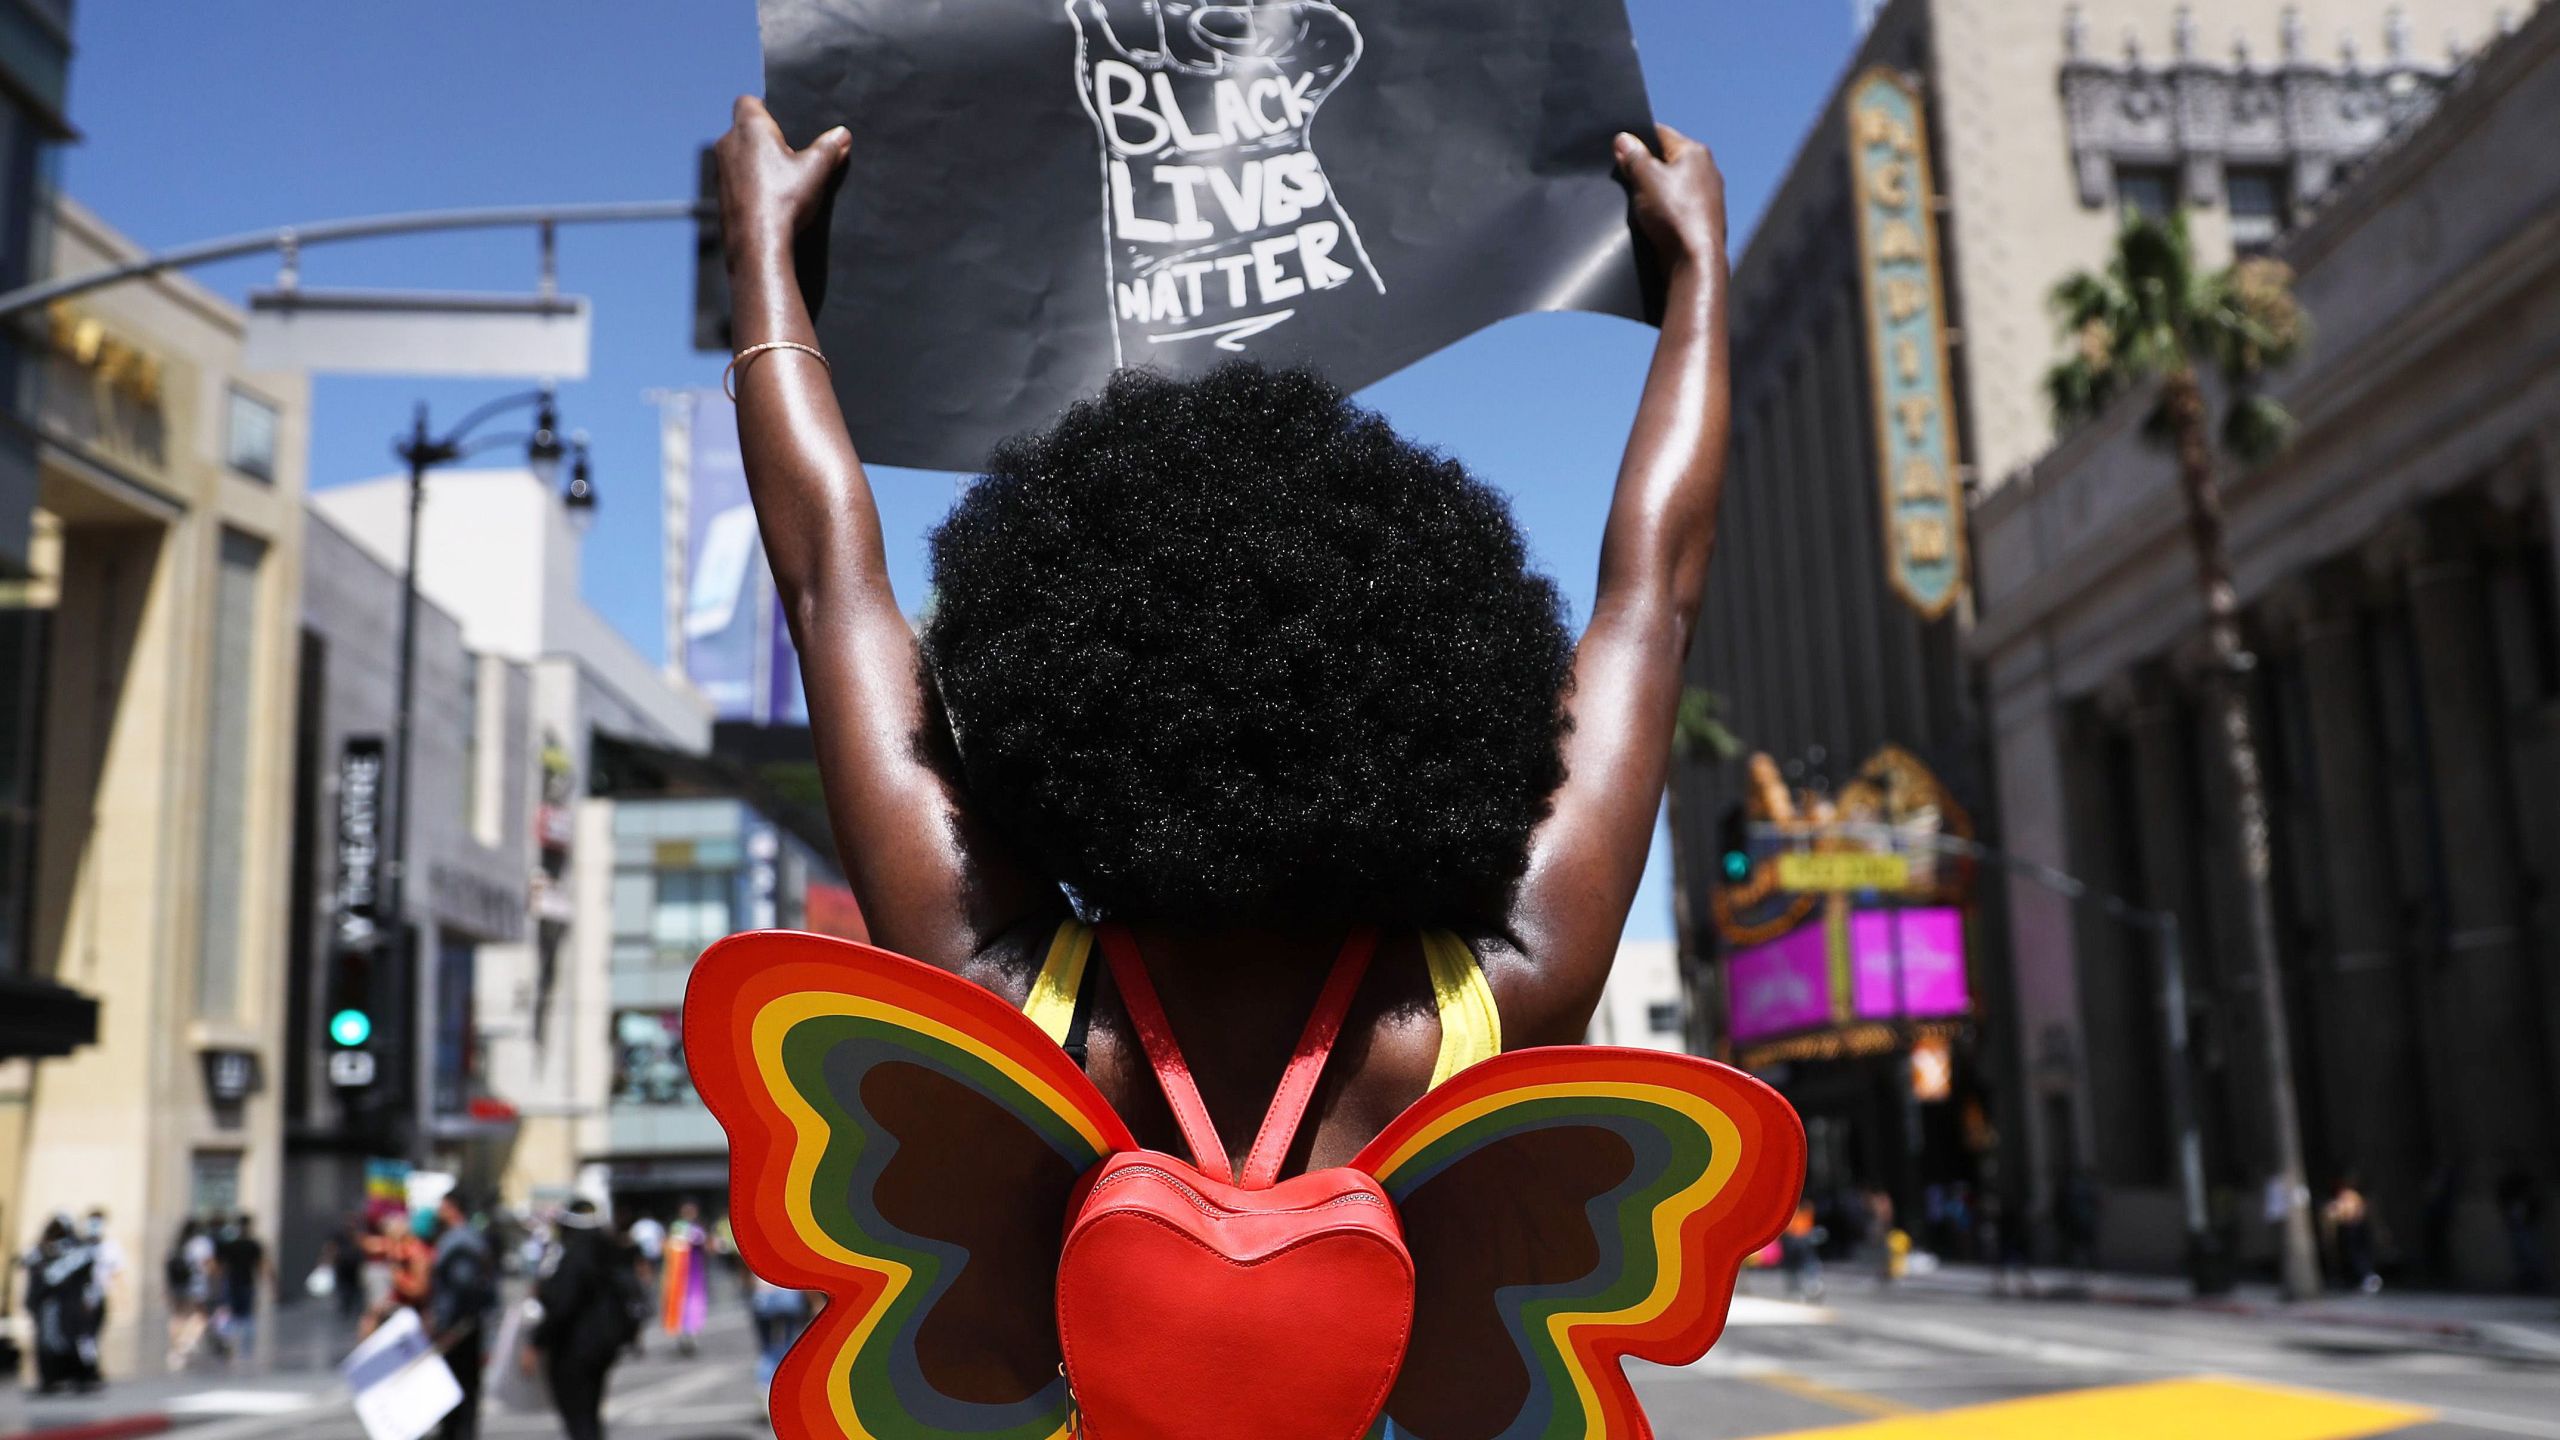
<point>1044,190</point>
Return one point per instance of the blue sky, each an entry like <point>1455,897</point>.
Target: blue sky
<point>202,120</point>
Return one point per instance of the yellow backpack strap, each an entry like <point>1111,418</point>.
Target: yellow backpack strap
<point>1052,1005</point>
<point>1470,1026</point>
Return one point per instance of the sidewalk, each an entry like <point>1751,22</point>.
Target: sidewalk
<point>2520,1327</point>
<point>295,1373</point>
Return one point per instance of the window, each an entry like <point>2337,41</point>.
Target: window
<point>225,816</point>
<point>2260,214</point>
<point>2146,190</point>
<point>250,447</point>
<point>648,1059</point>
<point>213,1182</point>
<point>23,630</point>
<point>693,908</point>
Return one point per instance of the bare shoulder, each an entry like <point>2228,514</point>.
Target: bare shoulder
<point>1008,966</point>
<point>1538,1002</point>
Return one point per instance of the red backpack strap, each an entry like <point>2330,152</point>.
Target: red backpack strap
<point>1155,1036</point>
<point>1297,1084</point>
<point>1315,1046</point>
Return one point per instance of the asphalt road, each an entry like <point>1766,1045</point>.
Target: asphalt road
<point>1869,1365</point>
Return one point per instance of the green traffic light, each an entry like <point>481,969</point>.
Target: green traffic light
<point>351,1027</point>
<point>1737,866</point>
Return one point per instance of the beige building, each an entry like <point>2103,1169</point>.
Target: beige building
<point>166,584</point>
<point>2398,573</point>
<point>2044,124</point>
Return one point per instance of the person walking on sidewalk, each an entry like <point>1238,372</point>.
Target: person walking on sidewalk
<point>245,1269</point>
<point>684,1278</point>
<point>464,1292</point>
<point>591,1308</point>
<point>2349,1221</point>
<point>780,1316</point>
<point>62,1301</point>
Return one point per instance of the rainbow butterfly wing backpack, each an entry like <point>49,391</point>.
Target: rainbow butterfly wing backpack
<point>986,1230</point>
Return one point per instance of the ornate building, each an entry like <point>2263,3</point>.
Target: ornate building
<point>1891,306</point>
<point>2404,604</point>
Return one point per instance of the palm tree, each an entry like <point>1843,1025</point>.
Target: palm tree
<point>2152,321</point>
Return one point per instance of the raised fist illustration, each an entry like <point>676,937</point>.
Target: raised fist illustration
<point>1218,213</point>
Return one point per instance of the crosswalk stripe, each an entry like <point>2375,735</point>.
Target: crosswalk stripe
<point>2212,1408</point>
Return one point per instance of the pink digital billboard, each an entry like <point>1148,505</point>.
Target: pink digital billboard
<point>1782,986</point>
<point>1898,963</point>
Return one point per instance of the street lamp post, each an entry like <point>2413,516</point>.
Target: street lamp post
<point>422,449</point>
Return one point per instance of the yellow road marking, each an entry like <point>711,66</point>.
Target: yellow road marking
<point>1821,1394</point>
<point>2210,1408</point>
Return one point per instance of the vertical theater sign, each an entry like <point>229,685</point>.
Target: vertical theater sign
<point>1898,261</point>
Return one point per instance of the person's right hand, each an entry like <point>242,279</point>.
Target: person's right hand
<point>770,192</point>
<point>1679,199</point>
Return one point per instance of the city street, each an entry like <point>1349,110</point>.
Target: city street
<point>1936,1359</point>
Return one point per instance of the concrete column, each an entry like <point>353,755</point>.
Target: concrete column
<point>2490,999</point>
<point>2373,1101</point>
<point>2028,751</point>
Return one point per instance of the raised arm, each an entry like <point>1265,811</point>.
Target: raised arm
<point>1587,860</point>
<point>931,885</point>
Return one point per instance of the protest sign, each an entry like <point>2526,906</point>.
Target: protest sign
<point>402,1387</point>
<point>1044,190</point>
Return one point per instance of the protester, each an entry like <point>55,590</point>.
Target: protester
<point>1232,660</point>
<point>780,1315</point>
<point>2075,1220</point>
<point>2347,1219</point>
<point>591,1307</point>
<point>1800,1254</point>
<point>406,1267</point>
<point>188,1273</point>
<point>463,1292</point>
<point>241,1258</point>
<point>345,1258</point>
<point>2520,1211</point>
<point>684,1278</point>
<point>109,1262</point>
<point>62,1301</point>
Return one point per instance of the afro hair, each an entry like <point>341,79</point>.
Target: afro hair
<point>1230,651</point>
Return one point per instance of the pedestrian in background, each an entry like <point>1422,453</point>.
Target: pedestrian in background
<point>592,1304</point>
<point>62,1302</point>
<point>2520,1210</point>
<point>780,1316</point>
<point>241,1257</point>
<point>108,1262</point>
<point>347,1268</point>
<point>461,1295</point>
<point>187,1271</point>
<point>2348,1219</point>
<point>684,1278</point>
<point>2076,1219</point>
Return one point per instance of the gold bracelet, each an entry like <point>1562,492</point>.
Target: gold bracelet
<point>728,377</point>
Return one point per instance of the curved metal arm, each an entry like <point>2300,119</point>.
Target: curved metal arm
<point>295,238</point>
<point>461,432</point>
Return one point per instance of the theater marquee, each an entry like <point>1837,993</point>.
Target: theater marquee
<point>1907,341</point>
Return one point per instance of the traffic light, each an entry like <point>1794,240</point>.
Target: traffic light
<point>1733,835</point>
<point>353,1066</point>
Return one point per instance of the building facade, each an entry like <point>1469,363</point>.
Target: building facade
<point>415,1083</point>
<point>38,1018</point>
<point>1891,334</point>
<point>680,851</point>
<point>2399,577</point>
<point>35,68</point>
<point>500,553</point>
<point>162,613</point>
